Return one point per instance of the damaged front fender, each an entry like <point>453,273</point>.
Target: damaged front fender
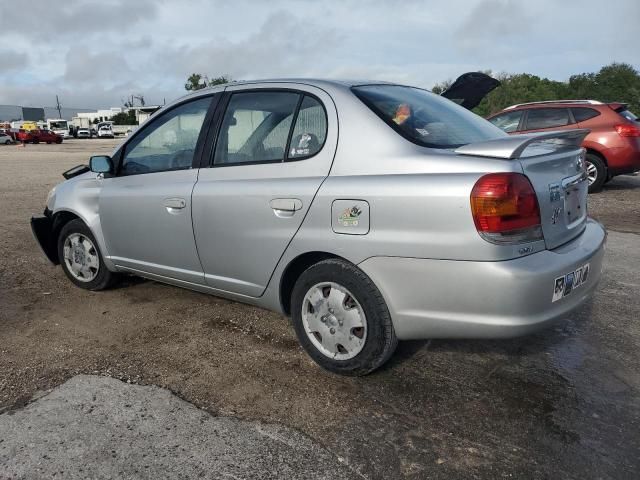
<point>42,229</point>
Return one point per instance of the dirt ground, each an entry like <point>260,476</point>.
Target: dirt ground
<point>564,403</point>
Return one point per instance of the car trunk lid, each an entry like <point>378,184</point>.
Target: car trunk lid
<point>554,164</point>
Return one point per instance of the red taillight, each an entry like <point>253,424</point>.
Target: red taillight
<point>505,208</point>
<point>627,130</point>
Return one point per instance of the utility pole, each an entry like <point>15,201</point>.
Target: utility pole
<point>58,107</point>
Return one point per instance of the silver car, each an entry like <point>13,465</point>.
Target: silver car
<point>367,212</point>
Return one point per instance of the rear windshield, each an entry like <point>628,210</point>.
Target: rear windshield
<point>425,118</point>
<point>628,115</point>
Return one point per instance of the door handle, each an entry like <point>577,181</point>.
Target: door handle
<point>285,207</point>
<point>286,204</point>
<point>175,203</point>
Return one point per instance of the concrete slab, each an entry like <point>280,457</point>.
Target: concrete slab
<point>98,427</point>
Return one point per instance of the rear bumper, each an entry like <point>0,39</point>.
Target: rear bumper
<point>624,159</point>
<point>460,299</point>
<point>42,229</point>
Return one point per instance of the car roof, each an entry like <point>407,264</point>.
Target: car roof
<point>323,83</point>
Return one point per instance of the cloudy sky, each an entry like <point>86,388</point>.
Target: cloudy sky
<point>95,53</point>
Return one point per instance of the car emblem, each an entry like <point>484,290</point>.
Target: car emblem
<point>555,215</point>
<point>554,192</point>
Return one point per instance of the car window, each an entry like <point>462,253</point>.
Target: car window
<point>255,127</point>
<point>310,130</point>
<point>168,143</point>
<point>507,121</point>
<point>424,118</point>
<point>582,114</point>
<point>547,118</point>
<point>628,115</point>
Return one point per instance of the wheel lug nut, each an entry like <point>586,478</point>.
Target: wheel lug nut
<point>332,330</point>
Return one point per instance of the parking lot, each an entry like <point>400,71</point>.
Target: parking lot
<point>564,403</point>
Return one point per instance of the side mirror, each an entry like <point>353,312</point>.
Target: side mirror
<point>101,164</point>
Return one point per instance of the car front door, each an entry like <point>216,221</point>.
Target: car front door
<point>274,148</point>
<point>145,209</point>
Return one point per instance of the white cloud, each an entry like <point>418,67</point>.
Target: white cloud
<point>94,53</point>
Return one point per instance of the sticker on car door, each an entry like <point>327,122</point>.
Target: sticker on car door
<point>566,284</point>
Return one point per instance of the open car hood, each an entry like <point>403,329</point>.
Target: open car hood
<point>470,88</point>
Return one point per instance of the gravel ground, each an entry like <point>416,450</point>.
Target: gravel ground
<point>564,403</point>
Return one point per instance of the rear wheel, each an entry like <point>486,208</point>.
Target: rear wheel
<point>341,319</point>
<point>35,141</point>
<point>81,259</point>
<point>596,172</point>
<point>7,142</point>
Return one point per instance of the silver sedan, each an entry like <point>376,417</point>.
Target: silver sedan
<point>367,212</point>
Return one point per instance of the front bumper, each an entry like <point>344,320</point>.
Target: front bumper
<point>42,229</point>
<point>461,299</point>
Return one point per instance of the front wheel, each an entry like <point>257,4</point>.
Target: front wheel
<point>341,319</point>
<point>596,172</point>
<point>8,142</point>
<point>81,259</point>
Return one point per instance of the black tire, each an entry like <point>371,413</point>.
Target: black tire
<point>380,341</point>
<point>104,278</point>
<point>601,172</point>
<point>8,142</point>
<point>36,141</point>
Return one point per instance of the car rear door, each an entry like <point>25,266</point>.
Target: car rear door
<point>547,118</point>
<point>145,210</point>
<point>274,147</point>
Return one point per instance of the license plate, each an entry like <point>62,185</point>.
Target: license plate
<point>572,205</point>
<point>569,282</point>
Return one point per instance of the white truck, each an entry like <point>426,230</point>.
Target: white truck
<point>59,126</point>
<point>104,129</point>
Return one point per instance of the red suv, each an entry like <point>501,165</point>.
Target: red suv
<point>613,146</point>
<point>37,136</point>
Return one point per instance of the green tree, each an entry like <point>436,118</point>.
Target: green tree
<point>125,118</point>
<point>618,82</point>
<point>197,81</point>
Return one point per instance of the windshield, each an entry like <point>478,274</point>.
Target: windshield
<point>58,125</point>
<point>425,118</point>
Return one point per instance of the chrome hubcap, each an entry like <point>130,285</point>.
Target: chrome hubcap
<point>592,172</point>
<point>334,321</point>
<point>81,257</point>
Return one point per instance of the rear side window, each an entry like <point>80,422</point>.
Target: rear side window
<point>547,118</point>
<point>425,118</point>
<point>582,114</point>
<point>628,115</point>
<point>310,130</point>
<point>258,127</point>
<point>507,121</point>
<point>255,127</point>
